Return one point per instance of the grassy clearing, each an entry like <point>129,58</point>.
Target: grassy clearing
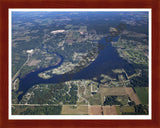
<point>95,99</point>
<point>123,109</point>
<point>16,110</point>
<point>142,93</point>
<point>122,99</point>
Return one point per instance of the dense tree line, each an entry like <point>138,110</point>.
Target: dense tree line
<point>73,93</point>
<point>140,81</point>
<point>139,110</point>
<point>111,100</point>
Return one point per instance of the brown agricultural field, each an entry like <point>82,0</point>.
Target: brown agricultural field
<point>95,110</point>
<point>113,91</point>
<point>74,110</point>
<point>109,110</point>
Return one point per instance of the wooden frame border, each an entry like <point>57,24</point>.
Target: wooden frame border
<point>6,4</point>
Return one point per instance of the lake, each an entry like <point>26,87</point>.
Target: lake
<point>107,60</point>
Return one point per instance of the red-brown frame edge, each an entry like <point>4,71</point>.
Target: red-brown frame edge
<point>6,4</point>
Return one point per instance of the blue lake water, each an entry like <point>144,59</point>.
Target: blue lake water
<point>107,60</point>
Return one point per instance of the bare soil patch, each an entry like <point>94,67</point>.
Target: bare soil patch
<point>33,62</point>
<point>74,110</point>
<point>109,110</point>
<point>49,58</point>
<point>95,110</point>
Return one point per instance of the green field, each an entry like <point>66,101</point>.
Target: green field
<point>36,110</point>
<point>125,109</point>
<point>142,93</point>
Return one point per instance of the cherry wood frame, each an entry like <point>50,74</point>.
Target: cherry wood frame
<point>6,4</point>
